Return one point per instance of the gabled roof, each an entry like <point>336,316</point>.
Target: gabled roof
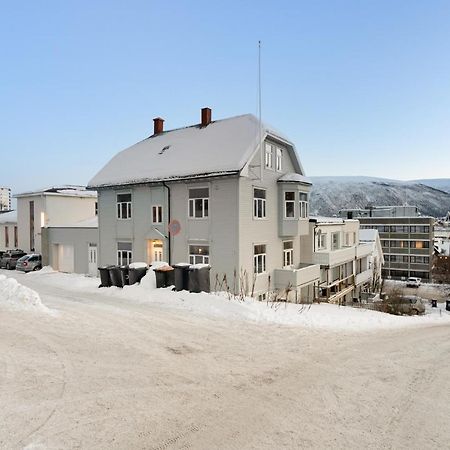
<point>66,190</point>
<point>224,147</point>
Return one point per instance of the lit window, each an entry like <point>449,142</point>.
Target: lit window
<point>198,203</point>
<point>289,205</point>
<point>259,258</point>
<point>288,254</point>
<point>157,214</point>
<point>123,206</point>
<point>259,203</point>
<point>199,254</point>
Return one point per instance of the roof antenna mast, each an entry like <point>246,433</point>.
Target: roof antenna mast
<point>259,111</point>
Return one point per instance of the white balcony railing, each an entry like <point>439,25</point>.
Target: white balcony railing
<point>341,256</point>
<point>363,277</point>
<point>300,276</point>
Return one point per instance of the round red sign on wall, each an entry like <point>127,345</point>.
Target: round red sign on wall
<point>174,227</point>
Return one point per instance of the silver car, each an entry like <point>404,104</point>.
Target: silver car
<point>29,263</point>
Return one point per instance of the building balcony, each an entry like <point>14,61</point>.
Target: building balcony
<point>363,277</point>
<point>301,275</point>
<point>363,250</point>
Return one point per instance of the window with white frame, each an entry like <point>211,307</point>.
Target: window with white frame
<point>124,253</point>
<point>259,258</point>
<point>289,205</point>
<point>335,241</point>
<point>198,203</point>
<point>348,239</point>
<point>288,253</point>
<point>268,156</point>
<point>259,203</point>
<point>321,241</point>
<point>124,206</point>
<point>157,216</point>
<point>303,205</point>
<point>279,159</point>
<point>199,254</point>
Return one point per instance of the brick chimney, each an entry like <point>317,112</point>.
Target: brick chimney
<point>206,117</point>
<point>158,125</point>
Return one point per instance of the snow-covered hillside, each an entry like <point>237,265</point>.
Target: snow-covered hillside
<point>330,194</point>
<point>442,184</point>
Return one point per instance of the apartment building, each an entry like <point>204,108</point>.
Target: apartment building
<point>406,239</point>
<point>57,205</point>
<point>345,269</point>
<point>5,199</point>
<point>8,231</point>
<point>231,193</point>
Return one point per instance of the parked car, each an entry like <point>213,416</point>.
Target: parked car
<point>29,263</point>
<point>413,282</point>
<point>406,304</point>
<point>9,259</point>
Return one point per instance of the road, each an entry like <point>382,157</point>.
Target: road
<point>107,374</point>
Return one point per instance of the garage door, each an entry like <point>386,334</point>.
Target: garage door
<point>65,258</point>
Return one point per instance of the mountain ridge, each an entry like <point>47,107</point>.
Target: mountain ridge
<point>330,194</point>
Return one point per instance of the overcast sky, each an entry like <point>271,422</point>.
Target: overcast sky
<point>361,87</point>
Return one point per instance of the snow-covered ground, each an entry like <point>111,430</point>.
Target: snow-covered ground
<point>318,316</point>
<point>146,368</point>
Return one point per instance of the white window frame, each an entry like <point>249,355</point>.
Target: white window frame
<point>124,257</point>
<point>268,156</point>
<point>321,241</point>
<point>259,260</point>
<point>259,204</point>
<point>198,258</point>
<point>157,211</point>
<point>338,243</point>
<point>128,206</point>
<point>286,202</point>
<point>288,254</point>
<point>279,159</point>
<point>303,206</point>
<point>204,204</point>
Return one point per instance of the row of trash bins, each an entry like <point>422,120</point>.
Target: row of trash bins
<point>183,276</point>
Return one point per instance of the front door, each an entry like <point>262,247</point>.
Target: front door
<point>92,255</point>
<point>155,250</point>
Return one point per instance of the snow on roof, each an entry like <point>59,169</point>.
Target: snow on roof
<point>92,222</point>
<point>323,219</point>
<point>294,177</point>
<point>223,147</point>
<point>368,235</point>
<point>64,190</point>
<point>8,217</point>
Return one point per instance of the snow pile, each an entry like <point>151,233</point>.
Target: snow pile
<point>138,265</point>
<point>220,306</point>
<point>15,296</point>
<point>45,269</point>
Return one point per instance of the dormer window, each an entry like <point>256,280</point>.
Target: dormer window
<point>268,156</point>
<point>279,159</point>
